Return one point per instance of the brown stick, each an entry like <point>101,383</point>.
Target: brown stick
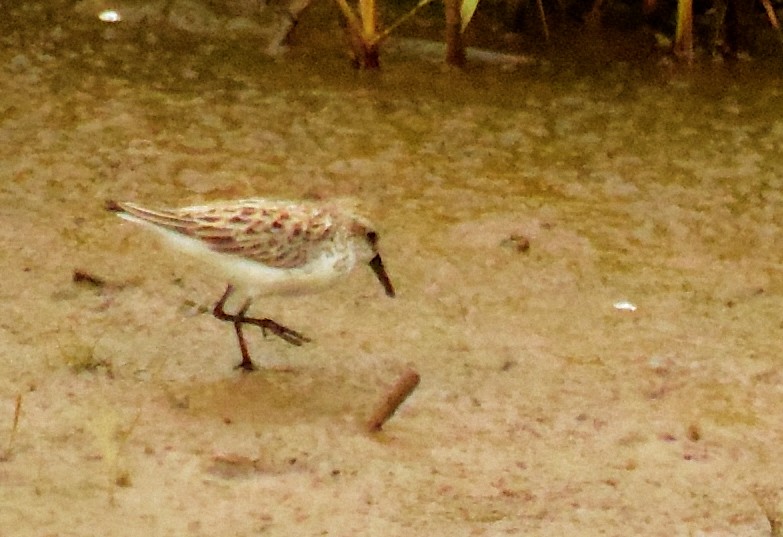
<point>405,384</point>
<point>17,411</point>
<point>455,48</point>
<point>82,276</point>
<point>773,19</point>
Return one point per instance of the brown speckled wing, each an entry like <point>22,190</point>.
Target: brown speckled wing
<point>165,218</point>
<point>279,235</point>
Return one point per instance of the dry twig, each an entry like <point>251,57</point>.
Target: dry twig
<point>17,411</point>
<point>405,384</point>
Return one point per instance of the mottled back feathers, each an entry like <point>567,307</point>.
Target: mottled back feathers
<point>277,234</point>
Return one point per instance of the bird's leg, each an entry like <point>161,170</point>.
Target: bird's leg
<point>283,332</point>
<point>291,336</point>
<point>246,363</point>
<point>237,320</point>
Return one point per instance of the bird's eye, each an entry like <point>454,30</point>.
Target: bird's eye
<point>372,237</point>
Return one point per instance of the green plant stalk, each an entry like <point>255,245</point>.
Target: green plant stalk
<point>683,40</point>
<point>364,23</point>
<point>350,17</point>
<point>367,14</point>
<point>542,16</point>
<point>773,19</point>
<point>385,33</point>
<point>466,10</point>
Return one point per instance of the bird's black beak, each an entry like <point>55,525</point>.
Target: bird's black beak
<point>376,264</point>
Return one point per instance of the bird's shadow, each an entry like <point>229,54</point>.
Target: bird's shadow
<point>270,396</point>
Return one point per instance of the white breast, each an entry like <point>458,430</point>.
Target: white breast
<point>256,279</point>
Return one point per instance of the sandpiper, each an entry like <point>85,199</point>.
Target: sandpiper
<point>267,247</point>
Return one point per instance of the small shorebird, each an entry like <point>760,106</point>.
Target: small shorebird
<point>267,247</point>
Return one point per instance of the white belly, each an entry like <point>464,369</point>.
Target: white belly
<point>256,279</point>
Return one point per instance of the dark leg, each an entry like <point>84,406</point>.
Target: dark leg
<point>246,363</point>
<point>291,336</point>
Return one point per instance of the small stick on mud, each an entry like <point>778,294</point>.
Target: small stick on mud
<point>82,276</point>
<point>89,280</point>
<point>405,384</point>
<point>17,411</point>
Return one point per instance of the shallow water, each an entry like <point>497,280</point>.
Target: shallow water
<point>543,409</point>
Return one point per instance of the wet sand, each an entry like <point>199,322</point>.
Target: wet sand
<point>543,407</point>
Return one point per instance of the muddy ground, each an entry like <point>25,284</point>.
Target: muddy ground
<point>544,407</point>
